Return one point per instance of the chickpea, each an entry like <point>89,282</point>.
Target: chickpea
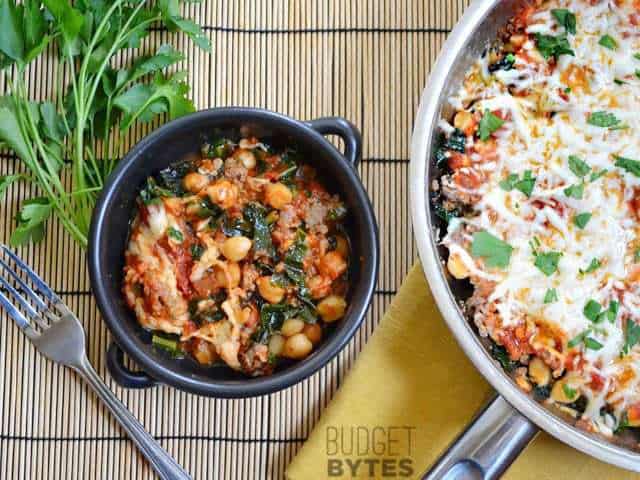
<point>270,292</point>
<point>236,248</point>
<point>297,347</point>
<point>456,267</point>
<point>342,246</point>
<point>231,279</point>
<point>278,195</point>
<point>332,308</point>
<point>223,193</point>
<point>291,326</point>
<point>332,265</point>
<point>276,344</point>
<point>313,331</point>
<point>246,157</point>
<point>194,182</point>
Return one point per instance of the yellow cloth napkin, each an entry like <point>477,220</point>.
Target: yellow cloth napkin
<point>409,394</point>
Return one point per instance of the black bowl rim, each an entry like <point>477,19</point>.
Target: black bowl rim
<point>251,386</point>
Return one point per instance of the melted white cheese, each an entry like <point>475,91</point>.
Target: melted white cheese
<point>531,139</point>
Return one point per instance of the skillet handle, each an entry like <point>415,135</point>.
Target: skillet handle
<point>121,374</point>
<point>346,130</point>
<point>488,446</point>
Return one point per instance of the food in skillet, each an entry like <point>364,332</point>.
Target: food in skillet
<point>239,255</point>
<point>541,193</point>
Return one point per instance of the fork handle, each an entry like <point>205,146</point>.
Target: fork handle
<point>163,464</point>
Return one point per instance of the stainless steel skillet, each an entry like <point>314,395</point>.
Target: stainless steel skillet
<point>511,420</point>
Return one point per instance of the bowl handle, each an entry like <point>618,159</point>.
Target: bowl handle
<point>346,130</point>
<point>121,374</point>
<point>488,446</point>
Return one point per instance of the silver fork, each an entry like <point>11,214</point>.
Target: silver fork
<point>57,333</point>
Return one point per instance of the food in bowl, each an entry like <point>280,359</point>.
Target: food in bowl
<point>238,255</point>
<point>540,194</point>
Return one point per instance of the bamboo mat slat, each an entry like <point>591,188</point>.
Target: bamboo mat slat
<point>367,61</point>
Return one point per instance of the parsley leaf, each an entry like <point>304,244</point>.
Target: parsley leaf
<point>608,41</point>
<point>551,296</point>
<point>550,46</point>
<point>612,311</point>
<point>547,262</point>
<point>525,185</point>
<point>593,266</point>
<point>631,336</point>
<point>575,191</point>
<point>592,343</point>
<point>508,183</point>
<point>603,119</point>
<point>581,220</point>
<point>494,251</point>
<point>596,175</point>
<point>31,221</point>
<point>578,166</point>
<point>631,166</point>
<point>489,123</point>
<point>565,18</point>
<point>577,340</point>
<point>569,392</point>
<point>591,310</point>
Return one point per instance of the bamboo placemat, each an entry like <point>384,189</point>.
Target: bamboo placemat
<point>365,60</point>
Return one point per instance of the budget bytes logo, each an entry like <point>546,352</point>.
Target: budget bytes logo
<point>372,451</point>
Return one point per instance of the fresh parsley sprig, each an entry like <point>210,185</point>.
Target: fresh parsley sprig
<point>79,132</point>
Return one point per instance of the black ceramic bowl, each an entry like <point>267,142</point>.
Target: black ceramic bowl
<point>174,141</point>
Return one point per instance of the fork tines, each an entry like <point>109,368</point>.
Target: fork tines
<point>24,295</point>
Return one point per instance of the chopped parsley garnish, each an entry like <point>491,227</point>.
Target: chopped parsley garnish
<point>551,296</point>
<point>569,392</point>
<point>565,18</point>
<point>631,166</point>
<point>636,255</point>
<point>612,311</point>
<point>547,262</point>
<point>636,56</point>
<point>592,343</point>
<point>596,175</point>
<point>550,46</point>
<point>617,81</point>
<point>494,251</point>
<point>489,123</point>
<point>631,336</point>
<point>524,185</point>
<point>578,339</point>
<point>637,73</point>
<point>581,220</point>
<point>578,166</point>
<point>593,266</point>
<point>575,191</point>
<point>603,119</point>
<point>175,234</point>
<point>592,310</point>
<point>608,41</point>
